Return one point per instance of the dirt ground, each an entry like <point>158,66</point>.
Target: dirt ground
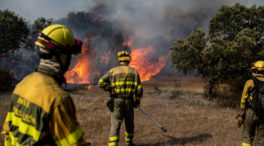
<point>177,104</point>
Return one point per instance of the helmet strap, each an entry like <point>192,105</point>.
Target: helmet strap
<point>45,55</point>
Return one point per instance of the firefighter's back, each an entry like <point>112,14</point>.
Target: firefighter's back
<point>124,80</point>
<point>33,101</point>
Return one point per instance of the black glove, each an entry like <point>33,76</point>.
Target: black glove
<point>110,104</point>
<point>136,103</point>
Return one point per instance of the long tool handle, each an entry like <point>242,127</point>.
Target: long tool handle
<point>162,128</point>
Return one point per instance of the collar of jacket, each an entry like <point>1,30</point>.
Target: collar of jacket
<point>123,63</point>
<point>50,72</point>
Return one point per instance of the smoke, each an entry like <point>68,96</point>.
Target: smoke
<point>167,18</point>
<point>157,23</point>
<point>107,24</point>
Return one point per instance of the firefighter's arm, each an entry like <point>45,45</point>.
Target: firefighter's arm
<point>139,89</point>
<point>242,113</point>
<point>104,82</point>
<point>64,126</point>
<point>138,92</point>
<point>245,94</point>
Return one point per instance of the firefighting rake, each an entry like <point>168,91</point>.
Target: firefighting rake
<point>145,113</point>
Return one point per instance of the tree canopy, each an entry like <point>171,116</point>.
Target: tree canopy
<point>13,30</point>
<point>234,41</point>
<point>17,39</point>
<point>16,32</point>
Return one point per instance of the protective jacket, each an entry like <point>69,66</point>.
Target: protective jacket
<point>252,120</point>
<point>247,94</point>
<point>125,83</point>
<point>124,80</point>
<point>41,113</point>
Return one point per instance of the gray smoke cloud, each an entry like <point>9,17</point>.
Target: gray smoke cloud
<point>158,22</point>
<point>170,19</point>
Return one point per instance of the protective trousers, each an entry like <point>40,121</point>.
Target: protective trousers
<point>253,126</point>
<point>123,109</point>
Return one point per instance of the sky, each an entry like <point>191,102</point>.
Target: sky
<point>56,9</point>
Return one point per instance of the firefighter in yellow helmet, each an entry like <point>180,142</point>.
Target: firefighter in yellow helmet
<point>41,113</point>
<point>252,107</point>
<point>124,84</point>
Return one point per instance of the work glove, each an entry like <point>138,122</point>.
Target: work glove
<point>136,103</point>
<point>240,118</point>
<point>240,121</point>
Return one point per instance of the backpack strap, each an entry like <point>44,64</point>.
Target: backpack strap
<point>256,84</point>
<point>256,102</point>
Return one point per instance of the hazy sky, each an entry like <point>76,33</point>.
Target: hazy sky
<point>32,9</point>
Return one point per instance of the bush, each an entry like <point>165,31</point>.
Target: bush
<point>224,95</point>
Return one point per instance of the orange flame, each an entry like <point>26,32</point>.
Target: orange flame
<point>80,72</point>
<point>145,64</point>
<point>142,59</point>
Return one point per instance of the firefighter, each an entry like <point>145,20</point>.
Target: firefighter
<point>41,112</point>
<point>252,105</point>
<point>124,84</point>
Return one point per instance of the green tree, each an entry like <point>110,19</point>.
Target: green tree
<point>230,20</point>
<point>38,25</point>
<point>14,31</point>
<point>224,55</point>
<point>16,36</point>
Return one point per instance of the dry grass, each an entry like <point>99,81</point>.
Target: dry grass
<point>189,118</point>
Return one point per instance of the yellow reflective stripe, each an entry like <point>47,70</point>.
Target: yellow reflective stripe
<point>250,97</point>
<point>128,139</point>
<point>129,134</point>
<point>102,81</point>
<point>243,100</point>
<point>139,87</point>
<point>245,144</point>
<point>112,144</point>
<point>242,106</point>
<point>72,138</point>
<point>23,127</point>
<point>7,142</point>
<point>124,83</point>
<point>137,98</point>
<point>114,138</point>
<point>124,90</point>
<point>14,140</point>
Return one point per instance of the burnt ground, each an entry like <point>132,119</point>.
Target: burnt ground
<point>177,104</point>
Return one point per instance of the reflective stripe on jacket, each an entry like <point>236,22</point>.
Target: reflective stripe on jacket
<point>41,113</point>
<point>124,80</point>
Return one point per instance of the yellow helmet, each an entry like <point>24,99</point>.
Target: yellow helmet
<point>123,56</point>
<point>59,38</point>
<point>259,66</point>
